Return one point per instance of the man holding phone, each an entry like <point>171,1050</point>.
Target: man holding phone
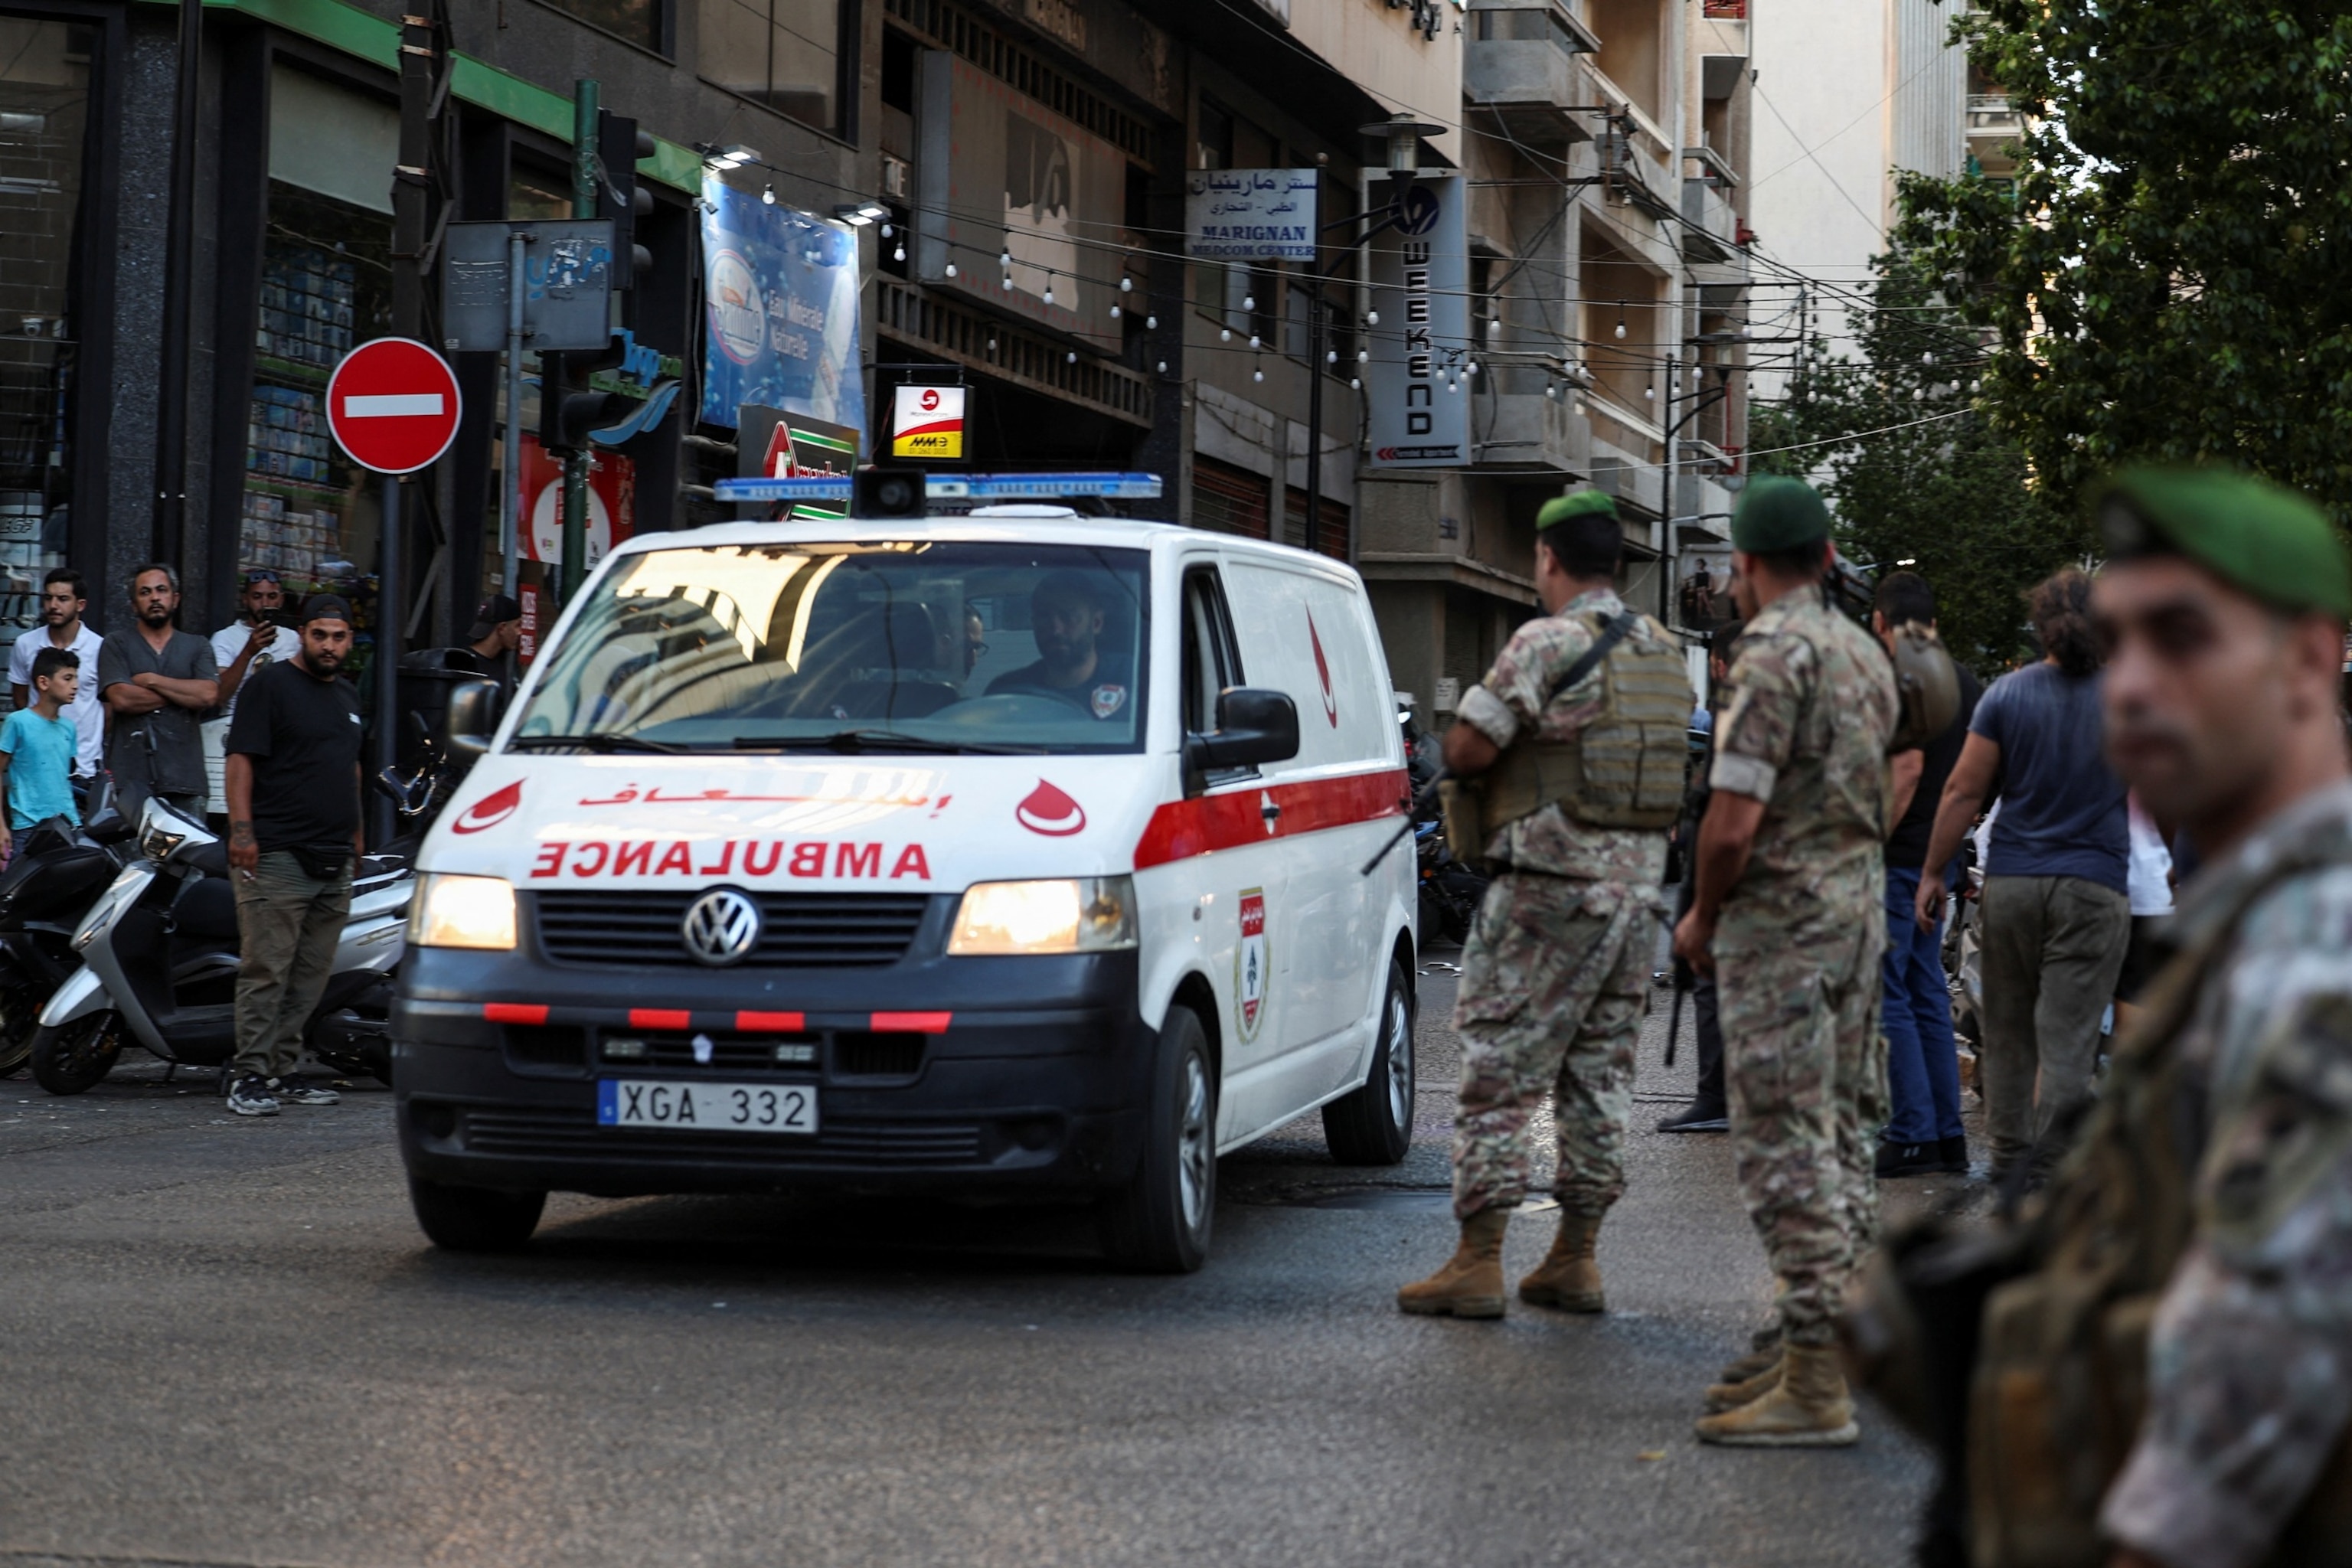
<point>256,639</point>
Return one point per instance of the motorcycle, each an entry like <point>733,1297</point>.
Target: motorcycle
<point>57,872</point>
<point>159,953</point>
<point>1450,891</point>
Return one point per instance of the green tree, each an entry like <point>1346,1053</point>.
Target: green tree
<point>1899,442</point>
<point>2171,276</point>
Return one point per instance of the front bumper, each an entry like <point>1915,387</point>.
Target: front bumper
<point>961,1075</point>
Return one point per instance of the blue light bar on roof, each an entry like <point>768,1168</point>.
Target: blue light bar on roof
<point>954,487</point>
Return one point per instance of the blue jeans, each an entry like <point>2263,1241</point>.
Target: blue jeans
<point>1923,1068</point>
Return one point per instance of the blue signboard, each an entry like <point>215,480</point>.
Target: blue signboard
<point>779,290</point>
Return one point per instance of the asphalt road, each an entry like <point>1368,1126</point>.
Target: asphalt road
<point>224,1343</point>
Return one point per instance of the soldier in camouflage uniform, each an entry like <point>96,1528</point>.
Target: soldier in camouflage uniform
<point>1553,980</point>
<point>1791,871</point>
<point>2228,1243</point>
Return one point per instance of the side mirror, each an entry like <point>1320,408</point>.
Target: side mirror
<point>1254,726</point>
<point>475,710</point>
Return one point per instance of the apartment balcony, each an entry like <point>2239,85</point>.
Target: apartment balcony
<point>1993,125</point>
<point>1521,70</point>
<point>1710,229</point>
<point>1516,428</point>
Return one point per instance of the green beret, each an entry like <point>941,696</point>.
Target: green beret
<point>1777,514</point>
<point>1583,503</point>
<point>2261,538</point>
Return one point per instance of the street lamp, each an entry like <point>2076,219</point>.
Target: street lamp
<point>1402,133</point>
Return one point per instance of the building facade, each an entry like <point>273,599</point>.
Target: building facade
<point>1606,146</point>
<point>1002,187</point>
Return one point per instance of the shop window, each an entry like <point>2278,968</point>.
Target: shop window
<point>310,514</point>
<point>44,91</point>
<point>789,55</point>
<point>639,21</point>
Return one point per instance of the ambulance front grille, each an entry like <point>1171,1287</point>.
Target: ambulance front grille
<point>797,931</point>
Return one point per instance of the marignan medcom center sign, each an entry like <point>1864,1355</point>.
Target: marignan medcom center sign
<point>1251,214</point>
<point>927,422</point>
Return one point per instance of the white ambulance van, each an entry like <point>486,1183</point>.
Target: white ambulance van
<point>1014,852</point>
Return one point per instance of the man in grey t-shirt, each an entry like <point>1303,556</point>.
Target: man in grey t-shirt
<point>2056,917</point>
<point>156,681</point>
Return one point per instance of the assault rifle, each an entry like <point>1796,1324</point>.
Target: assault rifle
<point>1420,797</point>
<point>1695,798</point>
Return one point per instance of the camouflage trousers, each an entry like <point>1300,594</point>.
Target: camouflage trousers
<point>1551,998</point>
<point>1806,1069</point>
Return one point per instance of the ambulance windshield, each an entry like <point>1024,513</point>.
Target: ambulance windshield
<point>908,646</point>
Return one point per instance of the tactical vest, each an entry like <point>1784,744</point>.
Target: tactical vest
<point>1623,769</point>
<point>2061,1379</point>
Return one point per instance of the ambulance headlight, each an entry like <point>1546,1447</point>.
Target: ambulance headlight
<point>464,911</point>
<point>1076,914</point>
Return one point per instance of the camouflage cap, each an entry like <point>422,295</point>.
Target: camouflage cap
<point>1583,503</point>
<point>1777,514</point>
<point>2261,538</point>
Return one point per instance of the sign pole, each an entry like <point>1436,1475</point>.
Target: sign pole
<point>1314,414</point>
<point>575,467</point>
<point>510,501</point>
<point>387,659</point>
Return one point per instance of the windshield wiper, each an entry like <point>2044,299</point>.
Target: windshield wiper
<point>597,743</point>
<point>856,740</point>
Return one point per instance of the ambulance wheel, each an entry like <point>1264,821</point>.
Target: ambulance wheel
<point>1372,1124</point>
<point>1158,1222</point>
<point>474,1219</point>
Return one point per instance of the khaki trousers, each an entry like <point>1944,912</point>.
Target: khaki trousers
<point>2053,949</point>
<point>287,925</point>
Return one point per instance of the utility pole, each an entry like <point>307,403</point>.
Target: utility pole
<point>575,466</point>
<point>167,523</point>
<point>411,184</point>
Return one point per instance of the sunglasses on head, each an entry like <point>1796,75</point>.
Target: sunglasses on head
<point>264,576</point>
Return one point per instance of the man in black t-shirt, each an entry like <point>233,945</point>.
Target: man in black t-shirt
<point>293,782</point>
<point>1923,1072</point>
<point>1067,612</point>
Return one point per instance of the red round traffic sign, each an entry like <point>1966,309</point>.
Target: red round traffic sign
<point>393,405</point>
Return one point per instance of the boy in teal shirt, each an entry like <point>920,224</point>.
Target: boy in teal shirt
<point>37,749</point>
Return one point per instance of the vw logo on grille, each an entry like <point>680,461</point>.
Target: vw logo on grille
<point>721,927</point>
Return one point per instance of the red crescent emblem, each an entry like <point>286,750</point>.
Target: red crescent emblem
<point>1050,812</point>
<point>1323,674</point>
<point>490,810</point>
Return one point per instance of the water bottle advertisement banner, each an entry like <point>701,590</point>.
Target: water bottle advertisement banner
<point>779,288</point>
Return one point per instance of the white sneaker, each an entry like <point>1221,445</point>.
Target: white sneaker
<point>250,1095</point>
<point>294,1090</point>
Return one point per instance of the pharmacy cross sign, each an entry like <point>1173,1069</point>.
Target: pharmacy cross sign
<point>393,405</point>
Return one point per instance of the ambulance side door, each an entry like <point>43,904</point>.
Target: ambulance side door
<point>1240,878</point>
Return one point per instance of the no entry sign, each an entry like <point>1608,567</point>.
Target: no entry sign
<point>393,405</point>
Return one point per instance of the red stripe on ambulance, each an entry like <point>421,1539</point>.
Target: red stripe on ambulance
<point>1182,829</point>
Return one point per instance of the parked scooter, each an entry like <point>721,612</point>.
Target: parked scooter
<point>57,872</point>
<point>419,794</point>
<point>1450,891</point>
<point>159,952</point>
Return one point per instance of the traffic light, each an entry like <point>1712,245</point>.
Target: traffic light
<point>619,145</point>
<point>568,407</point>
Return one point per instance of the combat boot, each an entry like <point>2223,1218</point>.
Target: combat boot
<point>1568,1277</point>
<point>1471,1283</point>
<point>1763,1354</point>
<point>1808,1408</point>
<point>1734,1392</point>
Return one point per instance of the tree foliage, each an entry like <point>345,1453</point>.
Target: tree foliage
<point>2172,276</point>
<point>1901,449</point>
